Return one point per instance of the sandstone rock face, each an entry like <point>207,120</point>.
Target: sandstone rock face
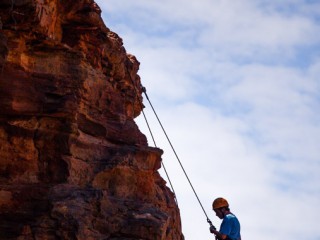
<point>73,163</point>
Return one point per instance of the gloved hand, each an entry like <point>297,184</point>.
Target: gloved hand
<point>212,228</point>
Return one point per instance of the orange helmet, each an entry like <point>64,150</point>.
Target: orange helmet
<point>219,203</point>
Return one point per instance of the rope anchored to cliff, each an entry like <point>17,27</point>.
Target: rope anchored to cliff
<point>154,142</point>
<point>176,155</point>
<point>143,89</point>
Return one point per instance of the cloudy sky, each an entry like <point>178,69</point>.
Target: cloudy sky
<point>236,85</point>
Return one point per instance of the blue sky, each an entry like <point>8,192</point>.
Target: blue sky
<point>236,86</point>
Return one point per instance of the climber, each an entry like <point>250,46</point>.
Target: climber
<point>230,226</point>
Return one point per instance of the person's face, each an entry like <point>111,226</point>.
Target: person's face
<point>219,213</point>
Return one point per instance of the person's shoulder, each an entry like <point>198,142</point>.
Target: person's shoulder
<point>230,216</point>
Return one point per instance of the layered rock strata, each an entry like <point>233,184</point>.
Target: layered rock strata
<point>73,163</point>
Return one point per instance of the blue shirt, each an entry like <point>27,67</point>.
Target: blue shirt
<point>230,226</point>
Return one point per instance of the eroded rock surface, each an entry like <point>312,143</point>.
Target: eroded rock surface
<point>73,163</point>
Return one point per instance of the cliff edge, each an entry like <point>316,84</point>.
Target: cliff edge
<point>73,163</point>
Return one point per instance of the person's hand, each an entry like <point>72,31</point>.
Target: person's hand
<point>212,229</point>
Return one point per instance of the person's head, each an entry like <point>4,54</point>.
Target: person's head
<point>220,206</point>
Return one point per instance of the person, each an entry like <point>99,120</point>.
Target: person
<point>230,226</point>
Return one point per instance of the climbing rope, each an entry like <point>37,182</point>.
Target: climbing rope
<point>175,153</point>
<point>173,149</point>
<point>154,142</point>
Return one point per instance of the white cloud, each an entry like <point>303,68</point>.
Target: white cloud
<point>242,29</point>
<point>236,85</point>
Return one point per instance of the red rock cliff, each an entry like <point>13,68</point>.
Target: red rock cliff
<point>73,163</point>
